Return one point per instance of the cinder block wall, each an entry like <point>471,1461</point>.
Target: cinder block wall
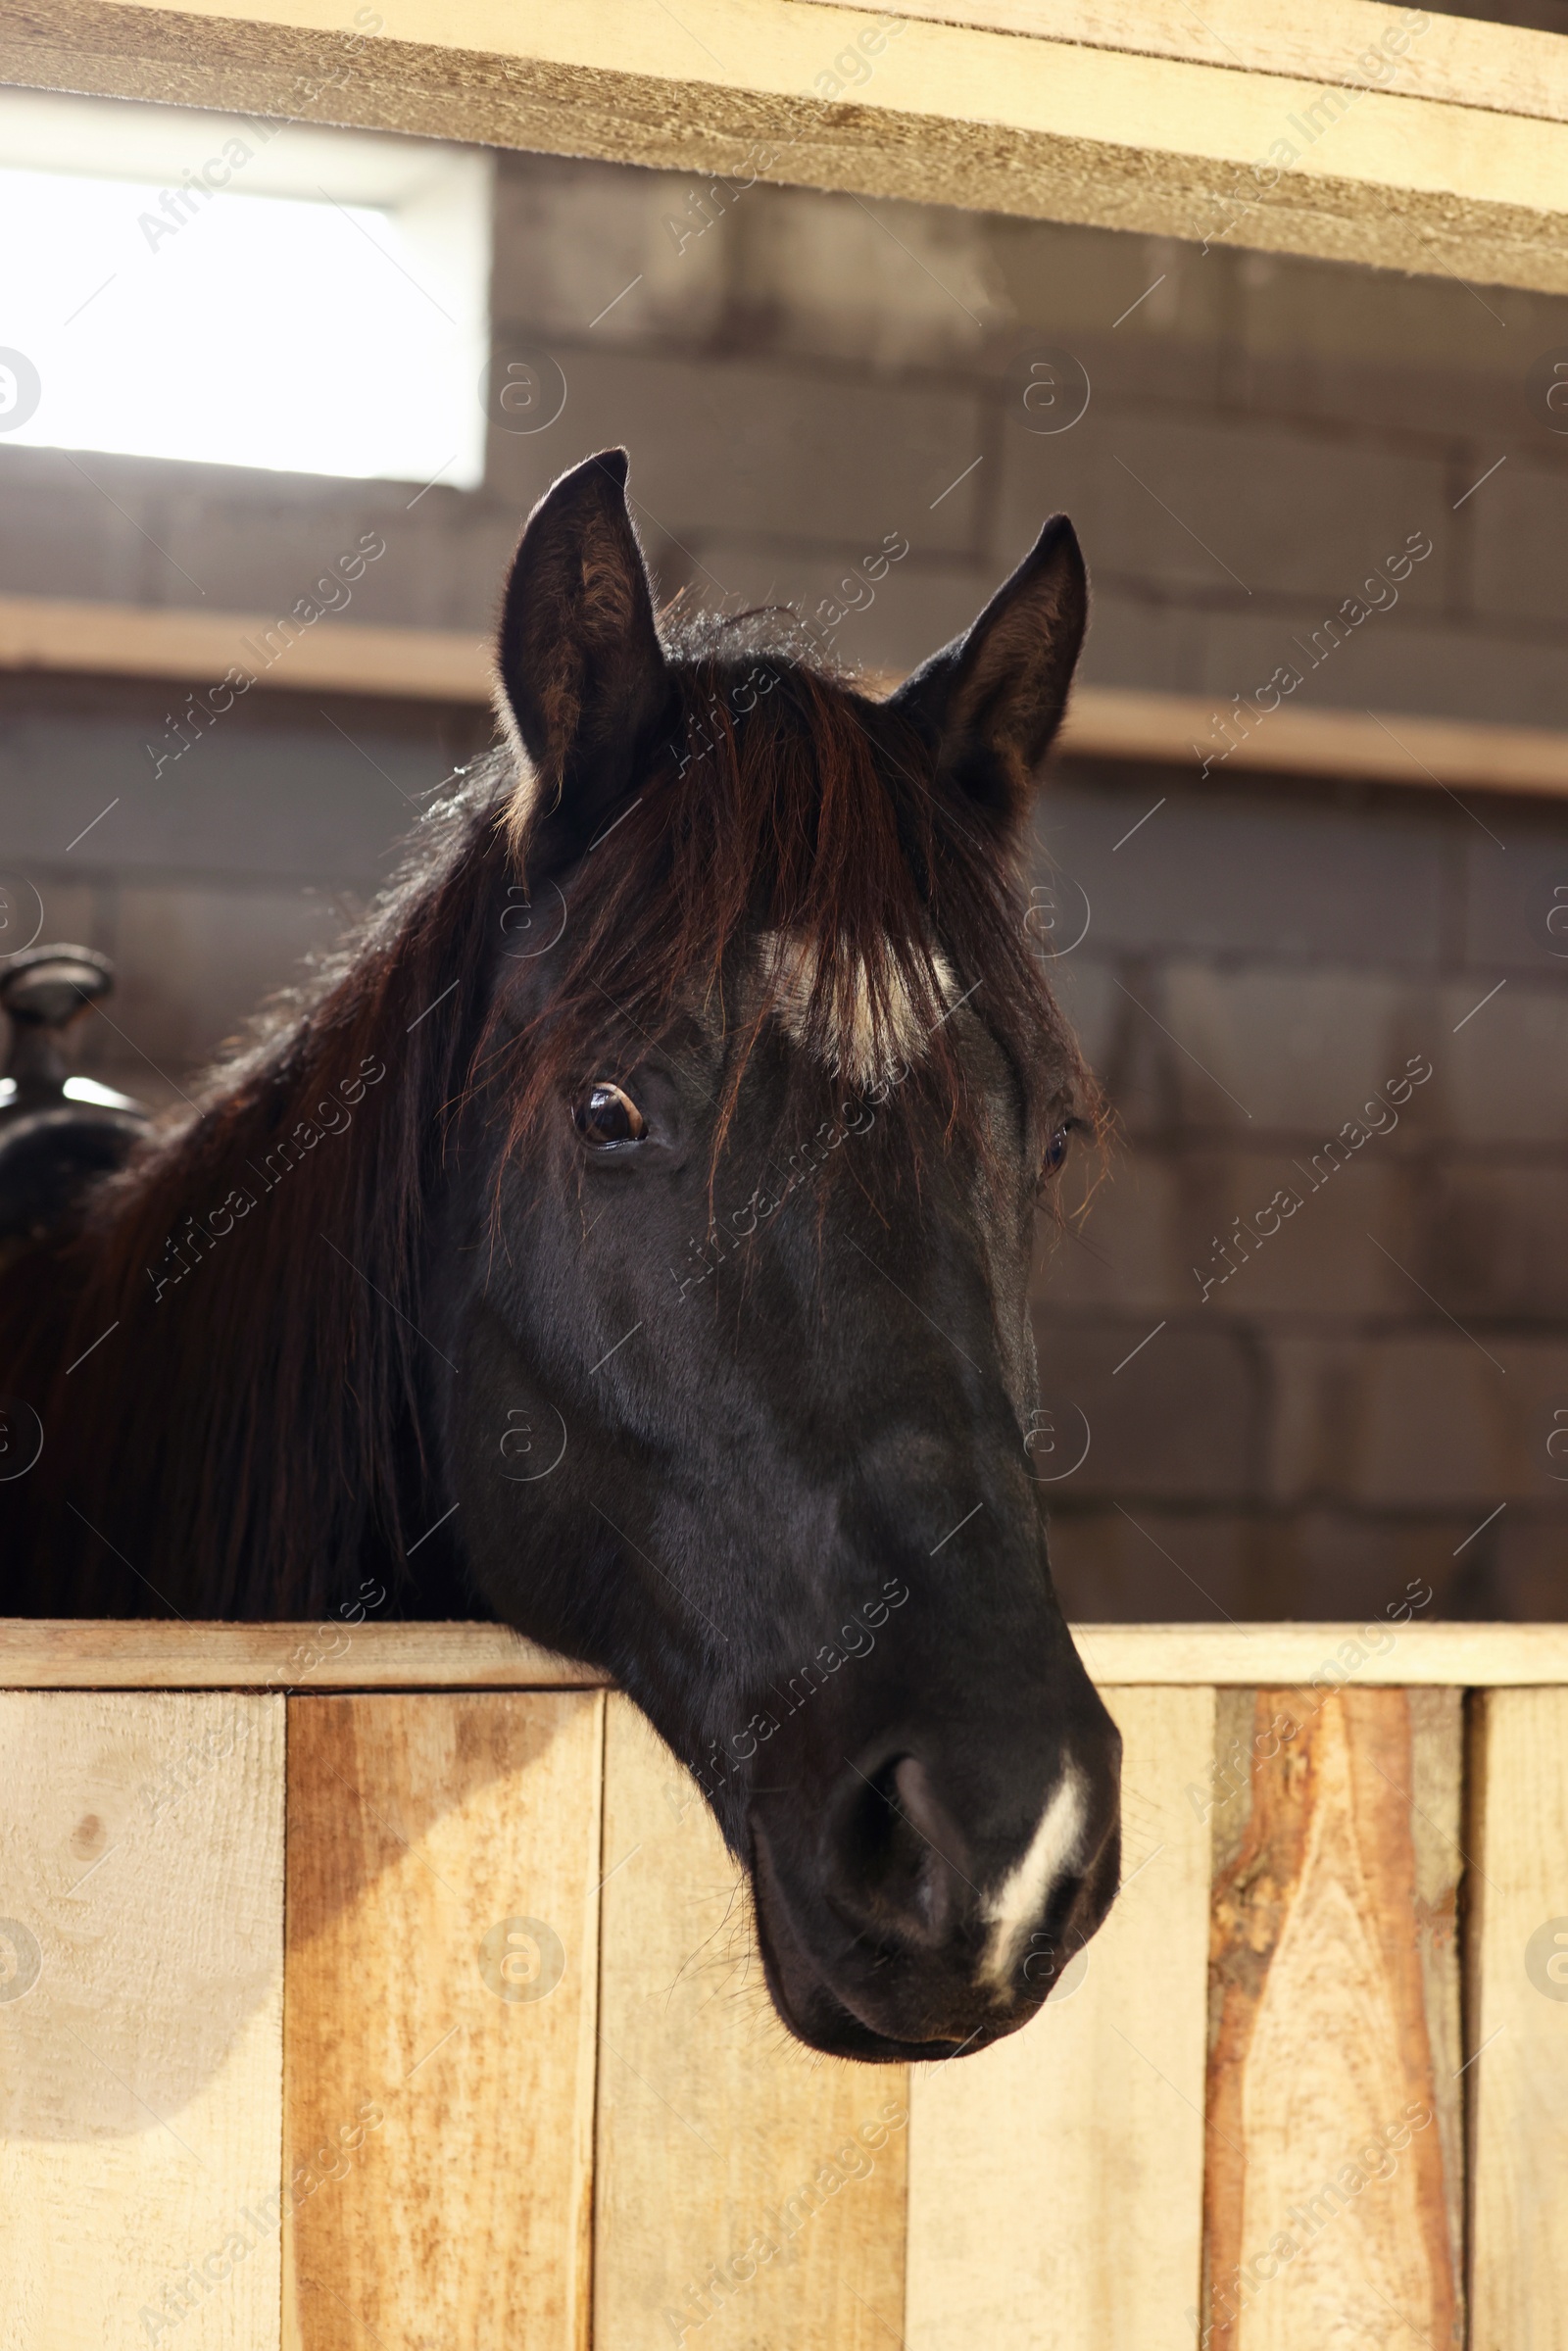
<point>797,378</point>
<point>1303,1414</point>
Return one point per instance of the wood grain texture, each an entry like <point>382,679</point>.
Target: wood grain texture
<point>141,1992</point>
<point>443,1867</point>
<point>71,1654</point>
<point>1331,2179</point>
<point>81,1654</point>
<point>749,2195</point>
<point>1506,69</point>
<point>1113,723</point>
<point>1519,2022</point>
<point>126,640</point>
<point>949,114</point>
<point>1325,1657</point>
<point>1056,2181</point>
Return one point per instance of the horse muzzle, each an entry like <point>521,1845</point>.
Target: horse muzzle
<point>899,1924</point>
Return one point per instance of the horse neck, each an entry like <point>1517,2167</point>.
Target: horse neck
<point>236,1408</point>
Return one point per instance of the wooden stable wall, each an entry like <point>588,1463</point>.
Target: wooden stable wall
<point>391,1986</point>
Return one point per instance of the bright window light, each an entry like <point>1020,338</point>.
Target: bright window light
<point>240,292</point>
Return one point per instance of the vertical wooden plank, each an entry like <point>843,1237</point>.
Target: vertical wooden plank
<point>1519,2022</point>
<point>749,2194</point>
<point>1334,2117</point>
<point>443,1867</point>
<point>1056,2182</point>
<point>142,1983</point>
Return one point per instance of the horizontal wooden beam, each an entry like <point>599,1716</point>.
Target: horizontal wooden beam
<point>195,648</point>
<point>1368,154</point>
<point>72,1654</point>
<point>1503,67</point>
<point>1388,746</point>
<point>199,649</point>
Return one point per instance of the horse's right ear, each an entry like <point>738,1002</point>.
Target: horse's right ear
<point>990,703</point>
<point>582,685</point>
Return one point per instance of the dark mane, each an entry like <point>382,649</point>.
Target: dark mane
<point>270,1431</point>
<point>276,1371</point>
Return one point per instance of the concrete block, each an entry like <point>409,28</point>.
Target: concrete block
<point>1409,355</point>
<point>1228,506</point>
<point>223,538</point>
<point>1071,284</point>
<point>1235,1230</point>
<point>446,570</point>
<point>273,789</point>
<point>1154,359</point>
<point>570,235</point>
<point>1424,1423</point>
<point>1499,1065</point>
<point>1494,1243</point>
<point>1520,528</point>
<point>1157,1221</point>
<point>1154,1567</point>
<point>1122,1258</point>
<point>1304,1053</point>
<point>1462,667</point>
<point>1336,1564</point>
<point>1143,639</point>
<point>1516,898</point>
<point>1088,997</point>
<point>1248,871</point>
<point>737,449</point>
<point>920,607</point>
<point>195,963</point>
<point>60,535</point>
<point>257,542</point>
<point>1179,1418</point>
<point>1313,1404</point>
<point>1531,1569</point>
<point>879,285</point>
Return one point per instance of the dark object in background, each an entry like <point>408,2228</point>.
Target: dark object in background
<point>56,1129</point>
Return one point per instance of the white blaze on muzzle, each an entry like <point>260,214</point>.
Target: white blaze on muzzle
<point>1012,1911</point>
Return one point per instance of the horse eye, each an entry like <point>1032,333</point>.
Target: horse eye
<point>1055,1150</point>
<point>607,1116</point>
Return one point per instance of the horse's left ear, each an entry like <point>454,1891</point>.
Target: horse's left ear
<point>582,685</point>
<point>991,701</point>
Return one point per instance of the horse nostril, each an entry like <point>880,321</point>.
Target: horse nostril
<point>901,1861</point>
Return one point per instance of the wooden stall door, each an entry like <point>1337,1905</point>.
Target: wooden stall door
<point>751,2197</point>
<point>1056,2181</point>
<point>443,1908</point>
<point>141,2000</point>
<point>1334,2176</point>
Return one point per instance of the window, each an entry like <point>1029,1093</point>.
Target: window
<point>241,292</point>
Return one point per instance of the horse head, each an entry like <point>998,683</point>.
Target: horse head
<point>733,1269</point>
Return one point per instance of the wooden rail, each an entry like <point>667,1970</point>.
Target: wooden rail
<point>199,649</point>
<point>524,2085</point>
<point>42,634</point>
<point>1394,140</point>
<point>76,1653</point>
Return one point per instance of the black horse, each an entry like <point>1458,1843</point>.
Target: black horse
<point>627,1238</point>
